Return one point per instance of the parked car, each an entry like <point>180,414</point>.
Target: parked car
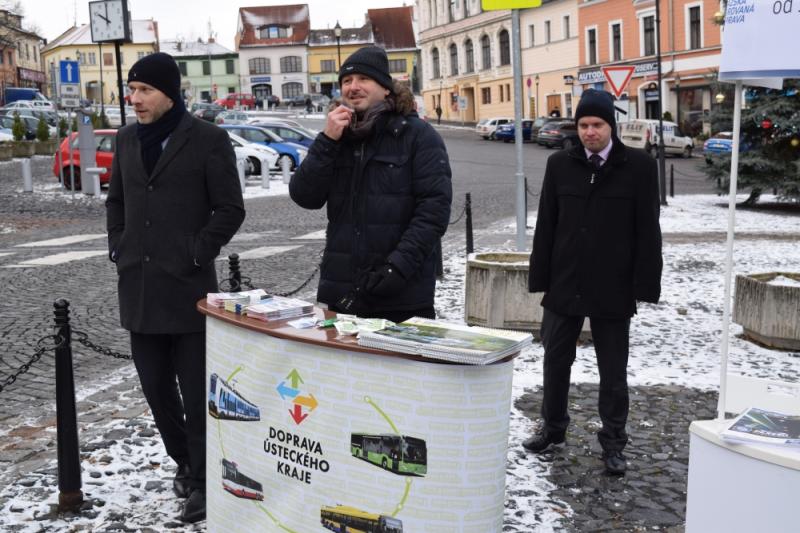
<point>51,117</point>
<point>105,143</point>
<point>253,153</point>
<point>237,101</point>
<point>486,127</point>
<point>7,122</point>
<point>288,133</point>
<point>296,101</point>
<point>507,132</point>
<point>295,152</point>
<point>643,133</point>
<point>115,118</point>
<point>206,111</point>
<point>537,125</point>
<point>40,105</point>
<point>271,100</point>
<point>32,123</point>
<point>559,133</point>
<point>232,117</point>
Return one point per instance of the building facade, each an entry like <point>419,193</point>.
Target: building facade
<point>272,45</point>
<point>326,54</point>
<point>97,62</point>
<point>20,59</point>
<point>208,69</point>
<point>393,30</point>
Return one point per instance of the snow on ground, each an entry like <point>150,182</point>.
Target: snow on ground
<point>675,342</point>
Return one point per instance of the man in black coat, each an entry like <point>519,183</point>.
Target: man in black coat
<point>596,251</point>
<point>174,200</point>
<point>384,175</point>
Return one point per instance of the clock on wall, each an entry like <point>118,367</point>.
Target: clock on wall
<point>109,21</point>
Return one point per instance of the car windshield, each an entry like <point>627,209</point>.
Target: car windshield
<point>724,135</point>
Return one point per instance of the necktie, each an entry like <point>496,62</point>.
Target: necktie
<point>596,161</point>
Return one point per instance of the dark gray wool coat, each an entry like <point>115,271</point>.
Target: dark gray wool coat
<point>165,230</point>
<point>597,246</point>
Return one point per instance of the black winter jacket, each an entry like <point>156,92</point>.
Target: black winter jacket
<point>597,246</point>
<point>388,200</point>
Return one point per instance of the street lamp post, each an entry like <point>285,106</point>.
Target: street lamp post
<point>537,96</point>
<point>337,32</point>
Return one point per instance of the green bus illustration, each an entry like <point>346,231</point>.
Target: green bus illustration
<point>400,454</point>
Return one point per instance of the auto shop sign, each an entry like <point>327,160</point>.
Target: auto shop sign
<point>597,75</point>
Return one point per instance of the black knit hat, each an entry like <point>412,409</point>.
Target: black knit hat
<point>596,103</point>
<point>370,61</point>
<point>161,71</point>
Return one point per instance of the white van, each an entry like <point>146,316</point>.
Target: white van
<point>486,128</point>
<point>643,133</point>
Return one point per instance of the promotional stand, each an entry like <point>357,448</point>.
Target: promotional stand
<point>308,431</point>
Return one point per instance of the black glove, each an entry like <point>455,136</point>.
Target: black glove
<point>385,280</point>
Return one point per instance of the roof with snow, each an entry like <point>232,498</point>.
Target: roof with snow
<point>362,35</point>
<point>142,32</point>
<point>393,28</point>
<point>253,19</point>
<point>193,48</point>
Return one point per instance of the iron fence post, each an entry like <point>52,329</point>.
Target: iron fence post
<point>236,274</point>
<point>70,496</point>
<point>672,180</point>
<point>468,211</point>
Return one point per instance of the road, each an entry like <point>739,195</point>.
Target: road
<point>52,245</point>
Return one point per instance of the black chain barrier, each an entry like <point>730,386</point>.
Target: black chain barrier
<point>83,338</point>
<point>463,210</point>
<point>302,285</point>
<point>40,350</point>
<point>690,175</point>
<point>233,285</point>
<point>528,190</point>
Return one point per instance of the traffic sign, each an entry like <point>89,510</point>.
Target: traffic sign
<point>618,78</point>
<point>70,73</point>
<point>70,90</point>
<point>70,102</point>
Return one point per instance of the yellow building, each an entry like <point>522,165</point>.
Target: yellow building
<point>98,63</point>
<point>325,56</point>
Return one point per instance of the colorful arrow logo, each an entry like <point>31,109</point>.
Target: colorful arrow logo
<point>297,412</point>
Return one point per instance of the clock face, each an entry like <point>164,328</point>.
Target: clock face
<point>108,20</point>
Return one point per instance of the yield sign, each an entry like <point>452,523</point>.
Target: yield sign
<point>618,77</point>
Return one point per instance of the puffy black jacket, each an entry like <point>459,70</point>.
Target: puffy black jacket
<point>388,200</point>
<point>597,246</point>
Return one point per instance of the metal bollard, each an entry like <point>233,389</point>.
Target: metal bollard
<point>468,209</point>
<point>286,167</point>
<point>264,173</point>
<point>70,496</point>
<point>240,166</point>
<point>236,274</point>
<point>672,180</point>
<point>95,172</point>
<point>27,179</point>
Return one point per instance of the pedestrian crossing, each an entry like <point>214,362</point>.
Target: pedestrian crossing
<point>13,257</point>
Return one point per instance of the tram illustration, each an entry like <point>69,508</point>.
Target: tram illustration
<point>226,403</point>
<point>238,484</point>
<point>400,454</point>
<point>343,519</point>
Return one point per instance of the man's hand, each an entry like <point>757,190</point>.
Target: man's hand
<point>385,281</point>
<point>337,121</point>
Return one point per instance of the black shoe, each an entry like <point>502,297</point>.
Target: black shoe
<point>195,508</point>
<point>615,463</point>
<point>541,442</point>
<point>180,485</point>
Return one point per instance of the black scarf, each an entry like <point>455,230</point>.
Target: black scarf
<point>151,136</point>
<point>363,125</point>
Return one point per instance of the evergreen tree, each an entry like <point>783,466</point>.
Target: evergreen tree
<point>42,130</point>
<point>769,151</point>
<point>17,128</point>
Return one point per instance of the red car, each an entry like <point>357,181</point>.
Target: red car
<point>105,143</point>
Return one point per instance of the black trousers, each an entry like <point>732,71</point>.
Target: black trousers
<point>559,337</point>
<point>172,370</point>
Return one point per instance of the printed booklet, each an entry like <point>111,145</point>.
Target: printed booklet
<point>458,343</point>
<point>767,427</point>
<point>278,308</point>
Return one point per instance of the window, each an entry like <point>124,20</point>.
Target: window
<point>486,95</point>
<point>508,91</point>
<point>327,65</point>
<point>451,10</point>
<point>229,66</point>
<point>453,60</point>
<point>182,67</point>
<point>259,65</point>
<point>292,89</point>
<point>10,58</point>
<point>695,33</point>
<point>532,34</point>
<point>486,53</point>
<point>648,35</point>
<point>546,31</point>
<point>108,59</point>
<point>80,58</point>
<point>291,64</point>
<point>432,11</point>
<point>121,57</point>
<point>206,68</point>
<point>231,90</point>
<point>470,56</point>
<point>92,58</point>
<point>501,93</point>
<point>275,32</point>
<point>565,27</point>
<point>505,48</point>
<point>616,41</point>
<point>591,46</point>
<point>435,63</point>
<point>140,55</point>
<point>397,65</point>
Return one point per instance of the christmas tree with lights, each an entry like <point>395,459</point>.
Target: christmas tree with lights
<point>769,150</point>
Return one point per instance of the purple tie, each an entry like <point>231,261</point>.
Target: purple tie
<point>597,161</point>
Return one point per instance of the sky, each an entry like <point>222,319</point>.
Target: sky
<point>189,19</point>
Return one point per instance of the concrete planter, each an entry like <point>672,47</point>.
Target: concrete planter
<point>497,293</point>
<point>6,151</point>
<point>769,313</point>
<point>23,148</point>
<point>47,147</point>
